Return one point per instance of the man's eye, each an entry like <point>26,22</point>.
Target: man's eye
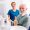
<point>22,8</point>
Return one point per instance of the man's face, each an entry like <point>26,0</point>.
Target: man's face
<point>14,5</point>
<point>23,8</point>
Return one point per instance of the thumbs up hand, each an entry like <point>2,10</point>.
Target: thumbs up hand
<point>15,18</point>
<point>15,22</point>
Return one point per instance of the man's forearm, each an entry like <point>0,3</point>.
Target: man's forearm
<point>8,20</point>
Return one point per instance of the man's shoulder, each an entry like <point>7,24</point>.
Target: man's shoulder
<point>17,9</point>
<point>10,10</point>
<point>19,16</point>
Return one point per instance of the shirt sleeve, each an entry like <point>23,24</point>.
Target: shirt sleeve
<point>9,12</point>
<point>18,11</point>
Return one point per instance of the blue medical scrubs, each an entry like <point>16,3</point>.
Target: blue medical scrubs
<point>13,14</point>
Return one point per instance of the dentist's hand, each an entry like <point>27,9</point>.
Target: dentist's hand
<point>15,22</point>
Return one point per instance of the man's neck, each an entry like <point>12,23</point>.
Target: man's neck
<point>14,8</point>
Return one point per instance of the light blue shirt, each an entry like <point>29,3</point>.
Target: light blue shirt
<point>22,20</point>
